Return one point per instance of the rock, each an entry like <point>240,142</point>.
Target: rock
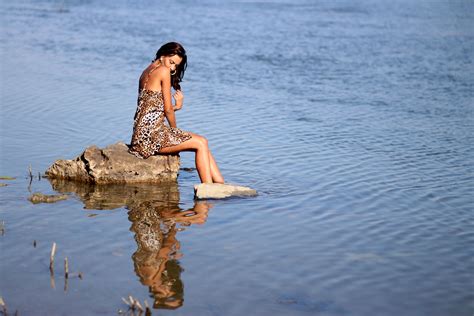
<point>221,191</point>
<point>45,198</point>
<point>114,164</point>
<point>6,178</point>
<point>3,184</point>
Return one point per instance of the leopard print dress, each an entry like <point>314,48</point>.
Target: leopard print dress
<point>150,132</point>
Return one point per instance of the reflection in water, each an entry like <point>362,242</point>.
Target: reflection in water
<point>156,218</point>
<point>112,196</point>
<point>155,224</point>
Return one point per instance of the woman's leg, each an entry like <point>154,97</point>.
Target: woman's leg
<point>215,172</point>
<point>199,145</point>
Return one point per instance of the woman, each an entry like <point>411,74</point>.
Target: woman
<point>150,133</point>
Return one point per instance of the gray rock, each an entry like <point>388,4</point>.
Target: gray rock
<point>113,164</point>
<point>221,191</point>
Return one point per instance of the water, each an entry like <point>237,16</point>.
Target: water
<point>352,119</point>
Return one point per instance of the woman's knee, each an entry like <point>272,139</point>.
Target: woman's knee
<point>201,142</point>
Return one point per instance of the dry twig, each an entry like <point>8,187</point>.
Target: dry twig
<point>133,304</point>
<point>66,268</point>
<point>4,306</point>
<point>30,172</point>
<point>51,258</point>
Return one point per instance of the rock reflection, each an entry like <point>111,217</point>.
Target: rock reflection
<point>112,196</point>
<point>156,219</point>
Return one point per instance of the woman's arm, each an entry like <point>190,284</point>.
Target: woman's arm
<point>178,97</point>
<point>166,91</point>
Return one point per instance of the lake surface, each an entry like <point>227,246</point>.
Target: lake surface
<point>352,119</point>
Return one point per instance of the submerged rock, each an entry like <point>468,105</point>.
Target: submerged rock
<point>221,191</point>
<point>45,198</point>
<point>6,178</point>
<point>113,164</point>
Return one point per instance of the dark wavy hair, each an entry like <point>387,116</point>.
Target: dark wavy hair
<point>170,49</point>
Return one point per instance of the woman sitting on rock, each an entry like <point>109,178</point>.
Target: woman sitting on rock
<point>151,135</point>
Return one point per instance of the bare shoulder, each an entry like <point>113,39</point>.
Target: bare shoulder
<point>154,76</point>
<point>161,72</point>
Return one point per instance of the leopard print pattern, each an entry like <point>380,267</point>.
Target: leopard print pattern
<point>150,133</point>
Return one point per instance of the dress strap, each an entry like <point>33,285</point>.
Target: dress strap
<point>148,74</point>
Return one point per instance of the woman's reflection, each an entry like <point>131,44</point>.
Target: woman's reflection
<point>155,224</point>
<point>156,218</point>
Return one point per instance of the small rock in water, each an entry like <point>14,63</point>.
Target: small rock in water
<point>6,178</point>
<point>3,184</point>
<point>221,191</point>
<point>45,198</point>
<point>188,169</point>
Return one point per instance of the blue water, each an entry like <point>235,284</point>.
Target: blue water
<point>352,119</point>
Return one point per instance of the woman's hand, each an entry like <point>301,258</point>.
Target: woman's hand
<point>178,100</point>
